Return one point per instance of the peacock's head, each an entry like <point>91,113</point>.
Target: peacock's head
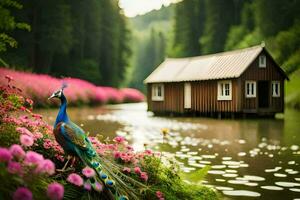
<point>58,93</point>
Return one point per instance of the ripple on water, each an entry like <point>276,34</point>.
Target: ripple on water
<point>233,166</point>
<point>294,147</point>
<point>192,153</point>
<point>245,193</point>
<point>230,171</point>
<point>197,165</point>
<point>251,184</point>
<point>297,179</point>
<point>216,172</point>
<point>204,162</point>
<point>242,154</point>
<point>231,163</point>
<point>218,166</point>
<point>209,156</point>
<point>292,162</point>
<point>280,175</point>
<point>230,175</point>
<point>238,182</point>
<point>287,184</point>
<point>220,180</point>
<point>223,188</point>
<point>271,187</point>
<point>226,158</point>
<point>254,178</point>
<point>295,189</point>
<point>273,170</point>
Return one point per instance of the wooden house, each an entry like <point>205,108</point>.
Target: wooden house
<point>244,81</point>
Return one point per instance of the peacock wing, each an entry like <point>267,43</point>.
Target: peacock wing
<point>75,134</point>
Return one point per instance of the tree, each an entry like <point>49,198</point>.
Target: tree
<point>8,23</point>
<point>220,16</point>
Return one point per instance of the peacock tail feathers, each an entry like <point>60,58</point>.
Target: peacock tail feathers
<point>110,175</point>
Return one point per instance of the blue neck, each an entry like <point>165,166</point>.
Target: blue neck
<point>62,115</point>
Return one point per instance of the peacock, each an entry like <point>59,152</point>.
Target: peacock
<point>76,144</point>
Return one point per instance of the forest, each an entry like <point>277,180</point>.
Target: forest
<point>95,41</point>
<point>199,27</point>
<point>83,39</point>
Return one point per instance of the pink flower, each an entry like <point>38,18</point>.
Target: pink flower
<point>129,148</point>
<point>148,152</point>
<point>55,191</point>
<point>14,167</point>
<point>159,194</point>
<point>26,140</point>
<point>32,157</point>
<point>46,166</point>
<point>5,155</point>
<point>137,170</point>
<point>119,139</point>
<point>29,101</point>
<point>22,193</point>
<point>144,176</point>
<point>88,172</point>
<point>87,186</point>
<point>9,78</point>
<point>38,135</point>
<point>117,154</point>
<point>98,187</point>
<point>75,179</point>
<point>126,170</point>
<point>17,151</point>
<point>24,131</point>
<point>37,116</point>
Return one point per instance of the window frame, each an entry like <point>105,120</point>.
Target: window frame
<point>155,92</point>
<point>264,63</point>
<point>252,93</point>
<point>222,90</point>
<point>273,88</point>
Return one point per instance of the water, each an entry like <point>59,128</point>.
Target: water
<point>249,159</point>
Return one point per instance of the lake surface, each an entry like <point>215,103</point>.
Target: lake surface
<point>249,159</point>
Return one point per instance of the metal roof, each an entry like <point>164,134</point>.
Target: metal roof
<point>223,65</point>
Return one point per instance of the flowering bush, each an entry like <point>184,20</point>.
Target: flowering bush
<point>29,157</point>
<point>39,87</point>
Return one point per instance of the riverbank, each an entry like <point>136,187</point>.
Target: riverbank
<point>29,157</point>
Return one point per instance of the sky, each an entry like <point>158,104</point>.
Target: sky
<point>138,7</point>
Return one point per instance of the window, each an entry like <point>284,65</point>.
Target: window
<point>262,61</point>
<point>250,89</point>
<point>224,90</point>
<point>157,92</point>
<point>275,89</point>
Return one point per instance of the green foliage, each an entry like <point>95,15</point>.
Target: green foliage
<point>292,90</point>
<point>189,27</point>
<point>8,23</point>
<point>167,180</point>
<point>151,52</point>
<point>220,15</point>
<point>8,135</point>
<point>88,70</point>
<point>68,33</point>
<point>36,183</point>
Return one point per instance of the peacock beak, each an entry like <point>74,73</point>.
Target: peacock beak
<point>52,96</point>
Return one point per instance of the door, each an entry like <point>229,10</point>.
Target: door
<point>263,94</point>
<point>187,96</point>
